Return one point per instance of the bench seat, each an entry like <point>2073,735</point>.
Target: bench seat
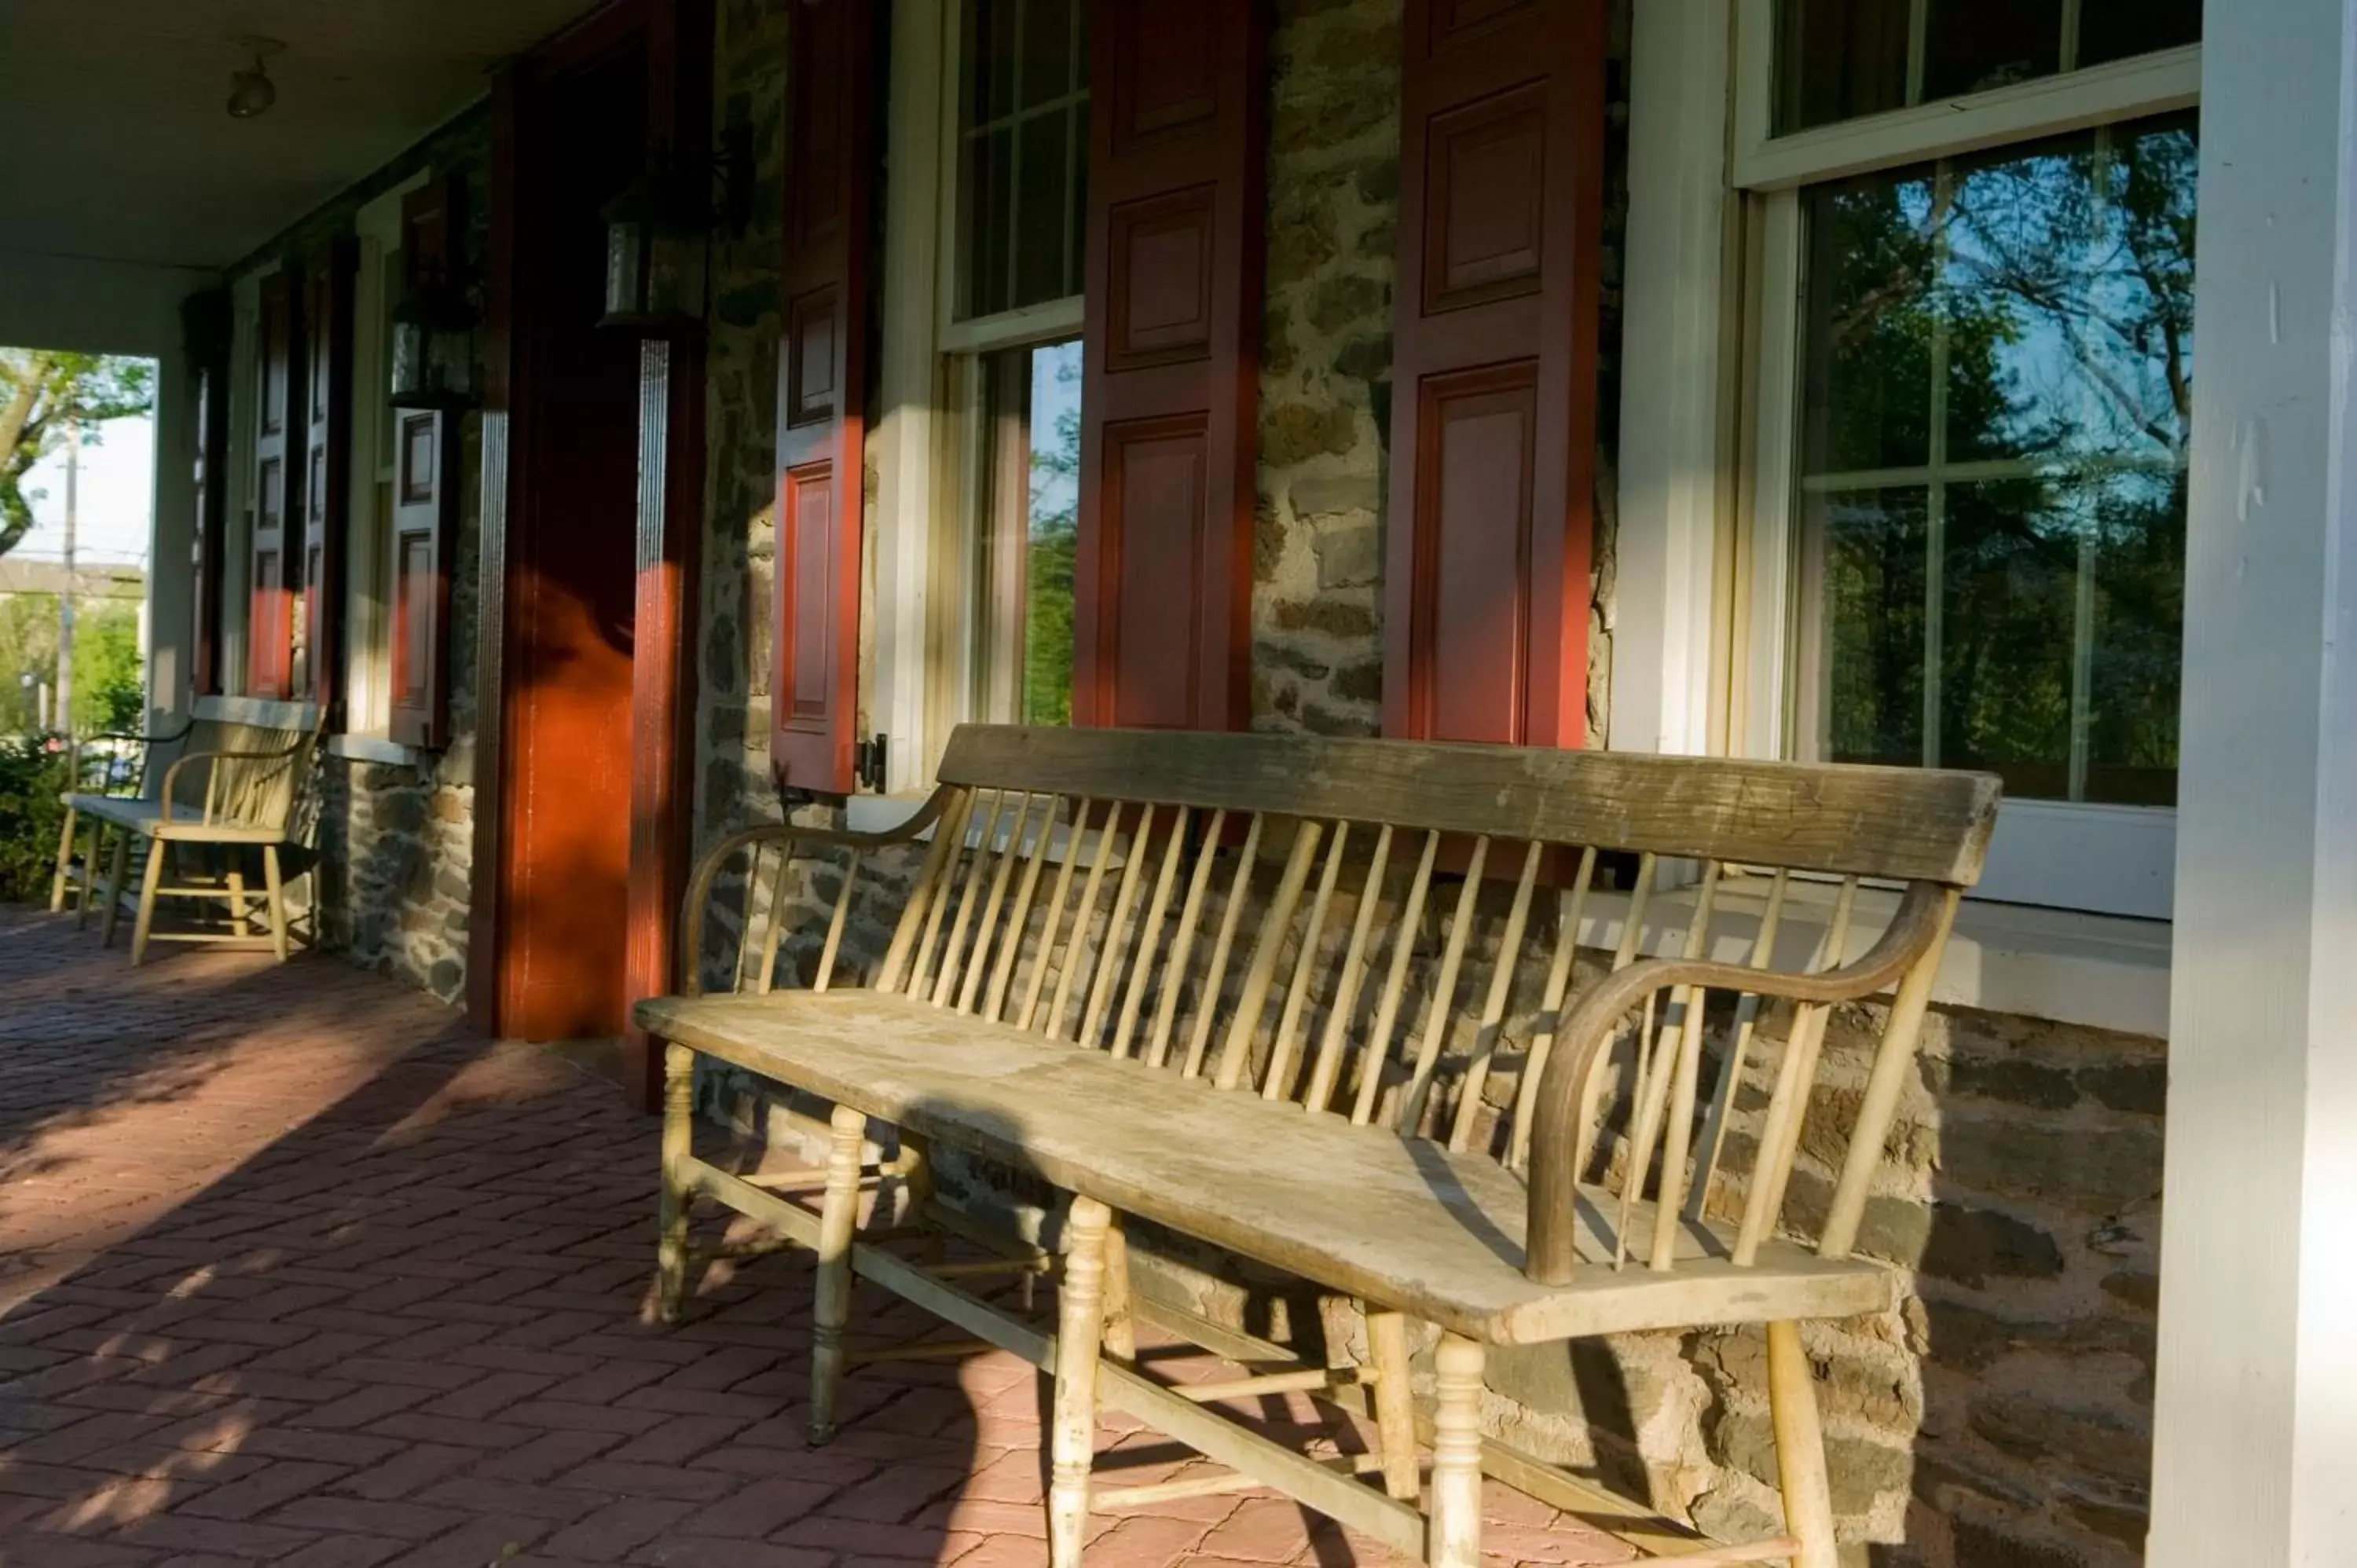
<point>1403,1222</point>
<point>145,819</point>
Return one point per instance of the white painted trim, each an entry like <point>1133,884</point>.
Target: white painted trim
<point>1764,695</point>
<point>368,542</point>
<point>1043,323</point>
<point>909,495</point>
<point>1676,410</point>
<point>2254,1437</point>
<point>2052,105</point>
<point>375,749</point>
<point>2098,971</point>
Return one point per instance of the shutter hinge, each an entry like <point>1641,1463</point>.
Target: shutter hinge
<point>867,759</point>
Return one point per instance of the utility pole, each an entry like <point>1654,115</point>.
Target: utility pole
<point>66,598</point>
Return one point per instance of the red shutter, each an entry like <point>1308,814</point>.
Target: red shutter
<point>269,626</point>
<point>424,514</point>
<point>1177,166</point>
<point>822,392</point>
<point>318,663</point>
<point>1493,413</point>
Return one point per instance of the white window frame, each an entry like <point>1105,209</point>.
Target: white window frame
<point>1691,304</point>
<point>933,621</point>
<point>235,586</point>
<point>368,534</point>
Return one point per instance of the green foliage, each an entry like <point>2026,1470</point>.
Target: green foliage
<point>110,690</point>
<point>1049,560</point>
<point>42,392</point>
<point>31,778</point>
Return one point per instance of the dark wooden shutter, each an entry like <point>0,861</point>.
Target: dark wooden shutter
<point>1493,413</point>
<point>424,514</point>
<point>425,480</point>
<point>207,318</point>
<point>822,392</point>
<point>1177,168</point>
<point>277,490</point>
<point>318,659</point>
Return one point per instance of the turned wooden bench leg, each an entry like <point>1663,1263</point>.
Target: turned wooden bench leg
<point>1454,1533</point>
<point>838,1216</point>
<point>1120,1338</point>
<point>1395,1403</point>
<point>65,862</point>
<point>1080,1334</point>
<point>1800,1449</point>
<point>678,1142</point>
<point>240,921</point>
<point>147,886</point>
<point>277,889</point>
<point>117,869</point>
<point>89,875</point>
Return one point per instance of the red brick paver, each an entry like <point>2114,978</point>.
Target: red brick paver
<point>294,1270</point>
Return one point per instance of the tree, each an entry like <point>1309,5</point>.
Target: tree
<point>41,391</point>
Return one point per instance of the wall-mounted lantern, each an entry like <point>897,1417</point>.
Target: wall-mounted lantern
<point>659,234</point>
<point>433,348</point>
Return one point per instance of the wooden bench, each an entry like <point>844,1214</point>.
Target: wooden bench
<point>1248,989</point>
<point>233,775</point>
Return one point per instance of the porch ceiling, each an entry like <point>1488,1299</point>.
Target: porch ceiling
<point>120,146</point>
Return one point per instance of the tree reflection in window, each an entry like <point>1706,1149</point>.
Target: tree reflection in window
<point>1998,397</point>
<point>1054,534</point>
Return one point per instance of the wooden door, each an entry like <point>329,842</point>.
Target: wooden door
<point>1163,572</point>
<point>822,392</point>
<point>277,490</point>
<point>1493,415</point>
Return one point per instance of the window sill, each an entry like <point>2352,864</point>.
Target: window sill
<point>375,749</point>
<point>2099,970</point>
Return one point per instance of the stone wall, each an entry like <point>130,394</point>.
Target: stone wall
<point>391,862</point>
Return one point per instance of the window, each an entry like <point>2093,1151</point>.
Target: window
<point>1023,158</point>
<point>1031,510</point>
<point>1973,236</point>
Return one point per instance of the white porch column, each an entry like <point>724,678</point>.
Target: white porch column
<point>2255,1442</point>
<point>171,607</point>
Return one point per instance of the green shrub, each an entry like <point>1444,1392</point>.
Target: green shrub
<point>30,779</point>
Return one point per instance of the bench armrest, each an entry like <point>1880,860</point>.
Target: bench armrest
<point>1907,950</point>
<point>793,837</point>
<point>172,774</point>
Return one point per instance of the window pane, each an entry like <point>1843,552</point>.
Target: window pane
<point>985,195</point>
<point>1024,119</point>
<point>1871,324</point>
<point>1052,535</point>
<point>1999,386</point>
<point>1972,46</point>
<point>1839,59</point>
<point>2115,29</point>
<point>1040,205</point>
<point>1046,50</point>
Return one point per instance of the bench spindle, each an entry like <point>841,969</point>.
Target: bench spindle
<point>1174,973</point>
<point>1441,1013</point>
<point>1084,919</point>
<point>835,922</point>
<point>1215,979</point>
<point>1115,949</point>
<point>1352,975</point>
<point>1236,1052</point>
<point>1493,1011</point>
<point>1009,851</point>
<point>1068,861</point>
<point>1685,1078</point>
<point>1149,935</point>
<point>1278,1079</point>
<point>1731,1073</point>
<point>1377,1054</point>
<point>1779,1134</point>
<point>1019,919</point>
<point>1569,907</point>
<point>977,866</point>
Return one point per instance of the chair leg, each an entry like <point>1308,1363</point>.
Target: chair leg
<point>147,886</point>
<point>838,1216</point>
<point>1453,1538</point>
<point>238,923</point>
<point>1080,1333</point>
<point>1800,1449</point>
<point>1395,1403</point>
<point>1120,1322</point>
<point>89,875</point>
<point>678,1141</point>
<point>114,894</point>
<point>277,888</point>
<point>64,863</point>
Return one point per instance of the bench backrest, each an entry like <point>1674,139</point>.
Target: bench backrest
<point>1389,931</point>
<point>261,752</point>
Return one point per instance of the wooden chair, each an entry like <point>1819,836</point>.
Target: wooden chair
<point>244,766</point>
<point>1302,999</point>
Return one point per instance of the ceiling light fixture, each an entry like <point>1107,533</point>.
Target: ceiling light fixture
<point>252,91</point>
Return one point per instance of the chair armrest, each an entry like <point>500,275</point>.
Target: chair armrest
<point>708,869</point>
<point>1919,928</point>
<point>172,774</point>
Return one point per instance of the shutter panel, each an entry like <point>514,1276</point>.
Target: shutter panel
<point>424,516</point>
<point>211,475</point>
<point>1493,413</point>
<point>1176,168</point>
<point>822,393</point>
<point>318,660</point>
<point>277,492</point>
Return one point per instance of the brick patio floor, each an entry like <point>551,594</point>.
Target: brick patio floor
<point>294,1269</point>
